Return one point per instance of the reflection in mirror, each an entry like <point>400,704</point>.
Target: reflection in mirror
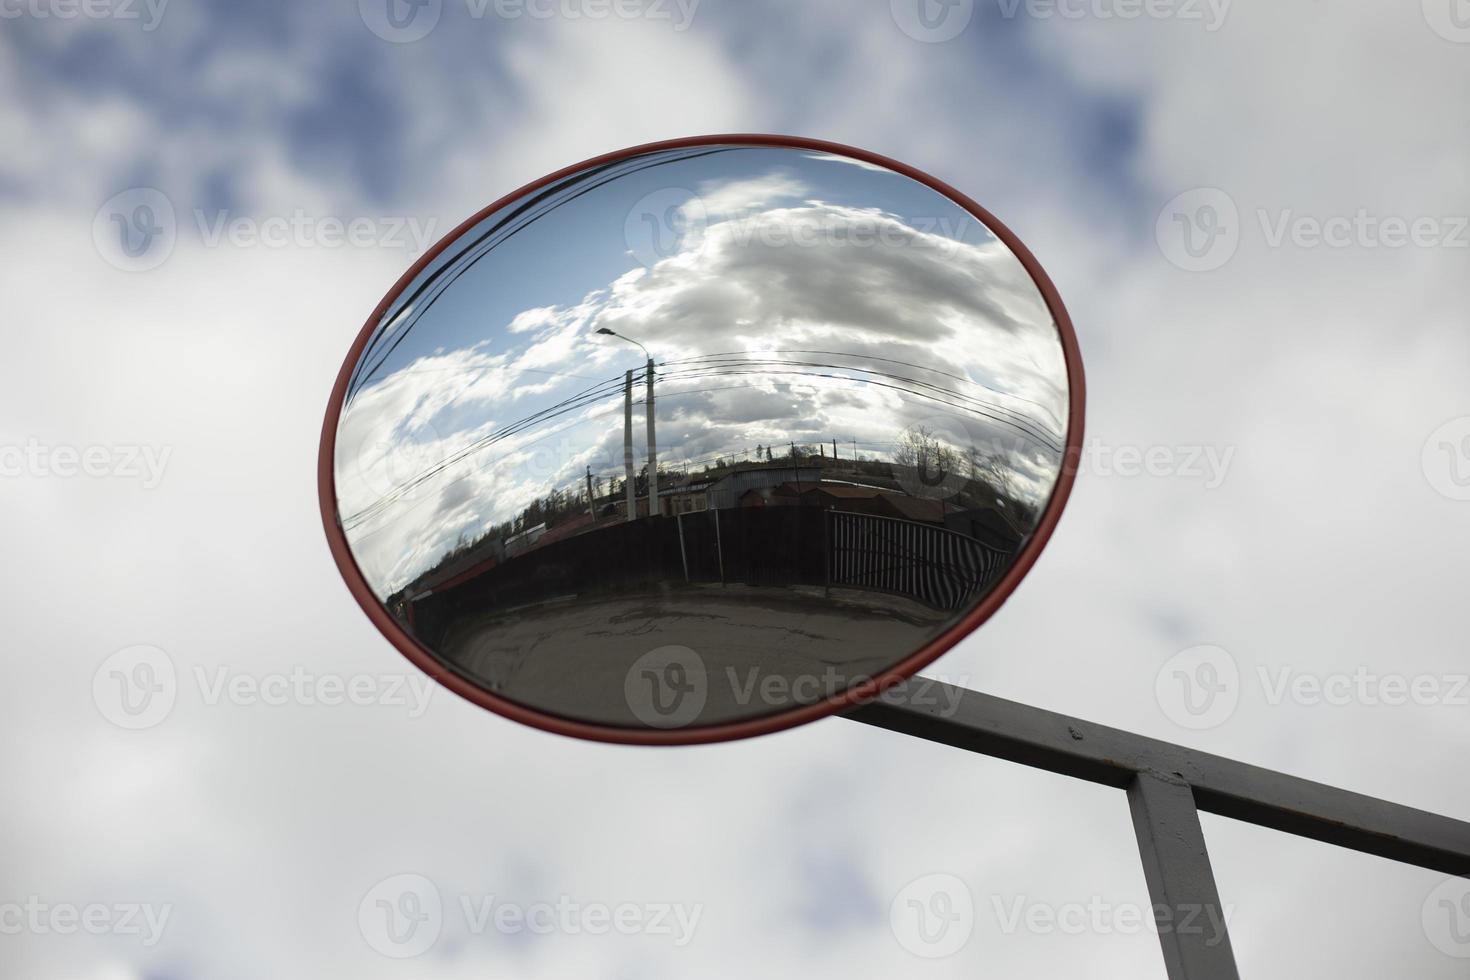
<point>701,435</point>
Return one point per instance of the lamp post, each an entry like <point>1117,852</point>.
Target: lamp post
<point>654,507</point>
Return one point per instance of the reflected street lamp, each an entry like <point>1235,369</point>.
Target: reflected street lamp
<point>654,507</point>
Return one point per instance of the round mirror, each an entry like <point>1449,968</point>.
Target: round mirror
<point>701,439</point>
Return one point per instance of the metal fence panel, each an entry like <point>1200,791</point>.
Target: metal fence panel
<point>938,567</point>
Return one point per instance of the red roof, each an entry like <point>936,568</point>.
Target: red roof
<point>567,529</point>
<point>843,491</point>
<point>918,508</point>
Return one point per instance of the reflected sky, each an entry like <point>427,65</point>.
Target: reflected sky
<point>787,296</point>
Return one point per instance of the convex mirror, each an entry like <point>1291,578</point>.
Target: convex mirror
<point>701,439</point>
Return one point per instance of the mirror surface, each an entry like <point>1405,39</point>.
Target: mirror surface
<point>701,435</point>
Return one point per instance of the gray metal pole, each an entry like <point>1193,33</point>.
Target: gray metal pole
<point>719,548</point>
<point>1058,743</point>
<point>1186,904</point>
<point>628,446</point>
<point>654,506</point>
<point>683,555</point>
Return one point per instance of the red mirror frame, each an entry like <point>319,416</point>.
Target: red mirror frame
<point>858,694</point>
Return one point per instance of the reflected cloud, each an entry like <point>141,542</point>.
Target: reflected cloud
<point>835,339</point>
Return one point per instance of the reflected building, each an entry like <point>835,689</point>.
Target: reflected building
<point>781,545</point>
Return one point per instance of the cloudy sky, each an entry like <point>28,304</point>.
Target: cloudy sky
<point>787,296</point>
<point>1256,215</point>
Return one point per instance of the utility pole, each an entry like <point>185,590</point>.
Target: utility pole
<point>834,448</point>
<point>591,507</point>
<point>653,501</point>
<point>628,445</point>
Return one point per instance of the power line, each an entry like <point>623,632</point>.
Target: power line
<point>569,404</point>
<point>746,361</point>
<point>1007,417</point>
<point>609,387</point>
<point>483,244</point>
<point>873,357</point>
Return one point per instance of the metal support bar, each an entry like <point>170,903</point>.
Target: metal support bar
<point>655,505</point>
<point>683,555</point>
<point>1057,743</point>
<point>719,549</point>
<point>628,480</point>
<point>1176,864</point>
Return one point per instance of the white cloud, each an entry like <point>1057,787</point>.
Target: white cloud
<point>732,198</point>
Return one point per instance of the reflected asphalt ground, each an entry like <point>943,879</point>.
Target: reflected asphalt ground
<point>691,655</point>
